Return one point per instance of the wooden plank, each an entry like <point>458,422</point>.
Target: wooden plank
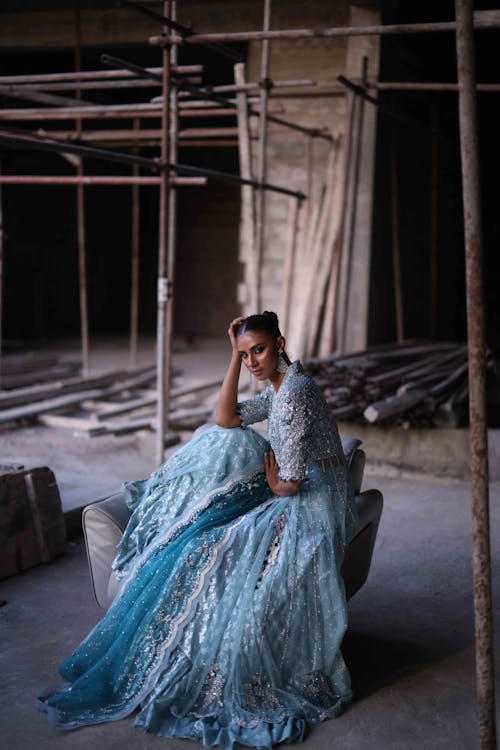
<point>126,407</point>
<point>30,394</point>
<point>33,410</point>
<point>75,424</point>
<point>393,405</point>
<point>187,390</point>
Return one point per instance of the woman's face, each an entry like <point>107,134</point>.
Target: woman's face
<point>259,352</point>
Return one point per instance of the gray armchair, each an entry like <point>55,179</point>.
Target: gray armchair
<point>104,523</point>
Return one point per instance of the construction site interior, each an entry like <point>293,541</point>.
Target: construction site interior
<point>166,166</point>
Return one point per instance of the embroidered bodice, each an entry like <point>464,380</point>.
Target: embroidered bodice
<point>302,429</point>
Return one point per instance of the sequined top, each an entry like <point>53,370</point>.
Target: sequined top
<point>302,429</point>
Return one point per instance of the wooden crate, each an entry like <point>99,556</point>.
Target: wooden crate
<point>32,528</point>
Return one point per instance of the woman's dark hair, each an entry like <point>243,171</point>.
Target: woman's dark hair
<point>267,322</point>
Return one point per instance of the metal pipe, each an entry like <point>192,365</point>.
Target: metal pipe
<point>80,218</point>
<point>482,20</point>
<point>162,354</point>
<point>127,65</point>
<point>134,136</point>
<point>188,169</point>
<point>93,112</point>
<point>134,265</point>
<point>396,255</point>
<point>478,435</point>
<point>440,87</point>
<point>262,161</point>
<point>184,31</point>
<point>88,75</point>
<point>172,224</point>
<point>115,111</point>
<point>433,245</point>
<point>97,180</point>
<point>17,141</point>
<point>1,279</point>
<point>33,95</point>
<point>100,153</point>
<point>154,82</point>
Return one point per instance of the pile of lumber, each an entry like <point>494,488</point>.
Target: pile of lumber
<point>312,259</point>
<point>113,403</point>
<point>18,370</point>
<point>412,384</point>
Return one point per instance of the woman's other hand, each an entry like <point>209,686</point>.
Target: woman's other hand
<point>277,486</point>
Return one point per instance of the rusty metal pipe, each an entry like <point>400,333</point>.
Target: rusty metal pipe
<point>478,435</point>
<point>482,20</point>
<point>162,349</point>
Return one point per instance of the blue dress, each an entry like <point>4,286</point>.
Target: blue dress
<point>231,612</point>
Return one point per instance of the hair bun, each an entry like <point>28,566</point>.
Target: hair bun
<point>271,314</point>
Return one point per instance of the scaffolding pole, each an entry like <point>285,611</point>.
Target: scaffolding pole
<point>172,223</point>
<point>478,435</point>
<point>482,20</point>
<point>262,161</point>
<point>80,213</point>
<point>162,346</point>
<point>134,269</point>
<point>1,277</point>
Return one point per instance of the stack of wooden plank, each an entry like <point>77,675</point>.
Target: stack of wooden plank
<point>18,370</point>
<point>113,403</point>
<point>416,383</point>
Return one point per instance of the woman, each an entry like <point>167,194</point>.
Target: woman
<point>231,611</point>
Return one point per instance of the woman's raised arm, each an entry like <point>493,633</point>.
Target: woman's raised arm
<point>227,414</point>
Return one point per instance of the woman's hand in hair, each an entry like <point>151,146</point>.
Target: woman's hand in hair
<point>231,332</point>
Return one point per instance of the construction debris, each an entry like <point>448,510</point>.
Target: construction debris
<point>113,403</point>
<point>411,384</point>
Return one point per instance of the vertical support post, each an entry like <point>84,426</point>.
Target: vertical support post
<point>354,167</point>
<point>134,280</point>
<point>80,212</point>
<point>162,350</point>
<point>262,157</point>
<point>396,257</point>
<point>172,213</point>
<point>1,280</point>
<point>309,172</point>
<point>434,227</point>
<point>248,208</point>
<point>478,436</point>
<point>330,339</point>
<point>289,269</point>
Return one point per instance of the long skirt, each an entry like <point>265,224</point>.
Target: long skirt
<point>231,611</point>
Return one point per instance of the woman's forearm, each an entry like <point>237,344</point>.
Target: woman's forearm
<point>226,414</point>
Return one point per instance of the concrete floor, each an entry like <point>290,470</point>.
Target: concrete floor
<point>410,644</point>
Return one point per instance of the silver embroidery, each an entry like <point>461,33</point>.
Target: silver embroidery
<point>318,689</point>
<point>259,694</point>
<point>211,694</point>
<point>302,429</point>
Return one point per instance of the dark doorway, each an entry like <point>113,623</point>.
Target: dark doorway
<point>430,58</point>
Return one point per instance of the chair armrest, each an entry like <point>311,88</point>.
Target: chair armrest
<point>356,465</point>
<point>358,556</point>
<point>103,525</point>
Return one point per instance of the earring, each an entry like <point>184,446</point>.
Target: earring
<point>282,365</point>
<point>250,377</point>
